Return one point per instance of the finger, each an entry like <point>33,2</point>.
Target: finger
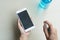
<point>20,27</point>
<point>45,30</point>
<point>27,33</point>
<point>55,31</point>
<point>50,25</point>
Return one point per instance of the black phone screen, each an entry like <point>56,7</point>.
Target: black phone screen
<point>25,19</point>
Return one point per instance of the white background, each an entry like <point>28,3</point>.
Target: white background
<point>8,18</point>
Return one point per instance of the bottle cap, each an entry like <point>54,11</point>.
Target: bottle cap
<point>46,1</point>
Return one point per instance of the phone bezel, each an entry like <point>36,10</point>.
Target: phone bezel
<point>32,27</point>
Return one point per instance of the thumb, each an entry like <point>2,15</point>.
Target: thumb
<point>45,29</point>
<point>20,27</point>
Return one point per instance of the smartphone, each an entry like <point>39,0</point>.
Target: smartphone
<point>25,19</point>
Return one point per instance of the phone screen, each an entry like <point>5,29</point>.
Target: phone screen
<point>25,19</point>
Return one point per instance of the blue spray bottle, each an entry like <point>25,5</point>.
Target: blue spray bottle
<point>44,3</point>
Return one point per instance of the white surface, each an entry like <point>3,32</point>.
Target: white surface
<point>8,18</point>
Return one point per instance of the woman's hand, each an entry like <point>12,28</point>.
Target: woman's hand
<point>24,35</point>
<point>50,32</point>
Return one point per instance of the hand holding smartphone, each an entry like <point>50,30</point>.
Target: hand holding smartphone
<point>25,19</point>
